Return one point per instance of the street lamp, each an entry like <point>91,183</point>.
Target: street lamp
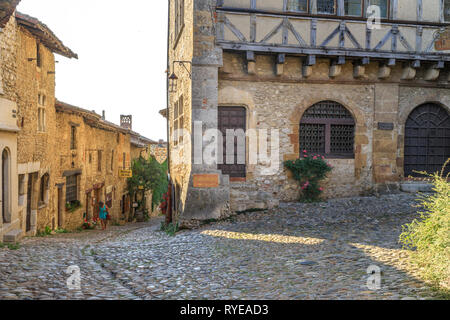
<point>173,79</point>
<point>173,83</point>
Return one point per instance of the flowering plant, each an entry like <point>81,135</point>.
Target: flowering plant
<point>309,170</point>
<point>89,225</point>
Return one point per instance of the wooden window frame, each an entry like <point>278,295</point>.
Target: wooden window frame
<point>308,3</point>
<point>362,13</point>
<point>72,187</point>
<point>443,9</point>
<point>388,9</point>
<point>327,13</point>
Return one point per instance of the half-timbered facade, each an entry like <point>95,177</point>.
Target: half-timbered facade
<point>364,82</point>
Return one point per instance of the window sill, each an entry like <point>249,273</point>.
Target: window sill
<point>42,206</point>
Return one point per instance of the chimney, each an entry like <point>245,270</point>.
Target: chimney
<point>103,115</point>
<point>126,121</point>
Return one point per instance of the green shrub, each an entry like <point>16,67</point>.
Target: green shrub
<point>14,246</point>
<point>309,171</point>
<point>428,237</point>
<point>171,229</point>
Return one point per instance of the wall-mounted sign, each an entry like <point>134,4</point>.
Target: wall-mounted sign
<point>206,181</point>
<point>443,41</point>
<point>125,173</point>
<point>385,126</point>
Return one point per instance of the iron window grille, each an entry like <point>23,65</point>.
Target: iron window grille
<point>328,128</point>
<point>72,188</point>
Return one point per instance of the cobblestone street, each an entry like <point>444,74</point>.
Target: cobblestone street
<point>298,251</point>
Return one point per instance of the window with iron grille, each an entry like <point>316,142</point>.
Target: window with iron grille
<point>72,188</point>
<point>297,5</point>
<point>328,128</point>
<point>179,17</point>
<point>326,6</point>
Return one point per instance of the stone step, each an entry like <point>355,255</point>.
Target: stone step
<point>415,187</point>
<point>12,237</point>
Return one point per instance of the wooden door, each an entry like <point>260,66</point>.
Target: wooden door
<point>232,118</point>
<point>60,208</point>
<point>427,140</point>
<point>29,198</point>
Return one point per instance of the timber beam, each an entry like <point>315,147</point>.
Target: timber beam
<point>333,52</point>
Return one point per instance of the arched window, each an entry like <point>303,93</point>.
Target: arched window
<point>6,203</point>
<point>328,128</point>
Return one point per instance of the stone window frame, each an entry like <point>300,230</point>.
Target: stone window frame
<point>179,19</point>
<point>44,189</point>
<point>178,121</point>
<point>42,119</point>
<point>112,160</point>
<point>328,122</point>
<point>99,160</point>
<point>73,137</point>
<point>38,55</point>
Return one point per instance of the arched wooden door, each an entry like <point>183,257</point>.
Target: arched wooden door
<point>427,139</point>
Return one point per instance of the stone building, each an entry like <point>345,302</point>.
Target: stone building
<point>91,153</point>
<point>363,82</point>
<point>36,47</point>
<point>9,221</point>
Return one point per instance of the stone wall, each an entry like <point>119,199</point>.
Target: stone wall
<point>279,100</point>
<point>92,136</point>
<point>181,49</point>
<point>36,147</point>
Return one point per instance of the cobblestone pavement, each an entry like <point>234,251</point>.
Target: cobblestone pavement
<point>298,251</point>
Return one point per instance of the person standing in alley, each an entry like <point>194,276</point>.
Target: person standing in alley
<point>104,212</point>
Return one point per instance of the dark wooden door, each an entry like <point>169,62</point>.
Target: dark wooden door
<point>427,140</point>
<point>232,118</point>
<point>29,198</point>
<point>60,208</point>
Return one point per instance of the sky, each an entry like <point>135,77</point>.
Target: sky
<point>122,48</point>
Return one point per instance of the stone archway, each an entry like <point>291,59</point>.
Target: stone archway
<point>427,140</point>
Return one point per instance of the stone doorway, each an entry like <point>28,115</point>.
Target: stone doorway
<point>427,140</point>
